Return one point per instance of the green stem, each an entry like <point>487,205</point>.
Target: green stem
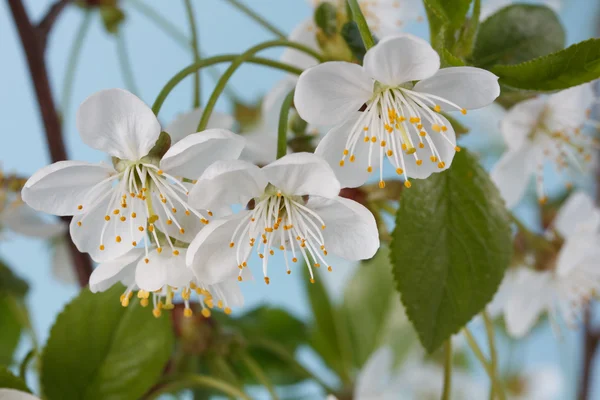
<point>73,60</point>
<point>361,22</point>
<point>125,64</point>
<point>197,381</point>
<point>485,364</point>
<point>166,25</point>
<point>261,21</point>
<point>283,125</point>
<point>190,69</point>
<point>283,354</point>
<point>248,54</point>
<point>259,374</point>
<point>25,364</point>
<point>193,29</point>
<point>447,370</point>
<point>489,329</point>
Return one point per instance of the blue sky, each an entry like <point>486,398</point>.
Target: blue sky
<point>155,58</point>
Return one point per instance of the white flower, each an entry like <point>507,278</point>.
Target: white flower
<point>161,276</point>
<point>293,207</point>
<point>399,120</point>
<point>114,209</point>
<point>489,7</point>
<point>62,262</point>
<point>563,285</point>
<point>546,128</point>
<point>543,382</point>
<point>186,123</point>
<point>12,394</point>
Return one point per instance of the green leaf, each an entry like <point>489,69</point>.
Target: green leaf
<point>351,36</point>
<point>10,381</point>
<point>373,311</point>
<point>572,66</point>
<point>452,11</point>
<point>326,18</point>
<point>10,283</point>
<point>328,336</point>
<point>516,34</point>
<point>10,328</point>
<point>451,246</point>
<point>99,350</point>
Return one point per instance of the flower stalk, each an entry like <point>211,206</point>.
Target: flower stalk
<point>363,28</point>
<point>283,125</point>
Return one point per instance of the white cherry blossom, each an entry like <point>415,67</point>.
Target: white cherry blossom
<point>379,111</point>
<point>116,208</point>
<point>293,207</point>
<point>544,129</point>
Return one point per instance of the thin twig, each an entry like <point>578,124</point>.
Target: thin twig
<point>49,19</point>
<point>33,46</point>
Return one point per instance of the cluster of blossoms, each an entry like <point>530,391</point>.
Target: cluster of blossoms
<point>160,219</point>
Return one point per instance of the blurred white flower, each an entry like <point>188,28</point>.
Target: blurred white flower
<point>543,382</point>
<point>12,394</point>
<point>489,7</point>
<point>399,120</point>
<point>546,128</point>
<point>115,208</point>
<point>567,282</point>
<point>186,124</point>
<point>294,207</point>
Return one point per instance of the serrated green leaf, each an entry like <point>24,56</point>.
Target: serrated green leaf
<point>373,311</point>
<point>99,350</point>
<point>570,67</point>
<point>10,283</point>
<point>10,329</point>
<point>451,246</point>
<point>516,34</point>
<point>9,381</point>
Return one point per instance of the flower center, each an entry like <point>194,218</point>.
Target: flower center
<point>284,223</point>
<point>392,125</point>
<point>142,188</point>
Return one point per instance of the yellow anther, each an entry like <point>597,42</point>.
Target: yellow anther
<point>205,313</point>
<point>373,139</point>
<point>369,169</point>
<point>312,280</point>
<point>144,302</point>
<point>419,127</point>
<point>107,218</point>
<point>412,150</point>
<point>227,310</point>
<point>457,149</point>
<point>294,259</point>
<point>101,247</point>
<point>346,152</point>
<point>182,231</point>
<point>422,133</point>
<point>441,164</point>
<point>169,222</point>
<point>289,272</point>
<point>421,145</point>
<point>543,200</point>
<point>463,111</point>
<point>329,269</point>
<point>404,147</point>
<point>80,207</point>
<point>414,120</point>
<point>381,184</point>
<point>352,158</point>
<point>383,143</point>
<point>433,158</point>
<point>239,278</point>
<point>133,215</point>
<point>341,163</point>
<point>267,280</point>
<point>175,252</point>
<point>118,239</point>
<point>146,260</point>
<point>187,212</point>
<point>123,219</point>
<point>444,128</point>
<point>390,153</point>
<point>174,210</point>
<point>116,212</point>
<point>419,162</point>
<point>366,128</point>
<point>156,312</point>
<point>160,172</point>
<point>187,313</point>
<point>204,221</point>
<point>141,228</point>
<point>436,127</point>
<point>151,228</point>
<point>437,108</point>
<point>407,184</point>
<point>366,139</point>
<point>399,171</point>
<point>153,218</point>
<point>78,223</point>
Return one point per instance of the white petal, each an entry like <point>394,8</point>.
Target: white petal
<point>468,87</point>
<point>530,298</point>
<point>228,183</point>
<point>192,155</point>
<point>331,92</point>
<point>446,150</point>
<point>375,374</point>
<point>22,219</point>
<point>331,148</point>
<point>210,256</point>
<point>60,188</point>
<point>108,273</point>
<point>512,174</point>
<point>578,249</point>
<point>163,269</point>
<point>62,264</point>
<point>577,214</point>
<point>400,59</point>
<point>261,146</point>
<point>568,109</point>
<point>303,174</point>
<point>304,33</point>
<point>87,236</point>
<point>187,123</point>
<point>118,123</point>
<point>12,394</point>
<point>350,229</point>
<point>229,290</point>
<point>520,121</point>
<point>498,303</point>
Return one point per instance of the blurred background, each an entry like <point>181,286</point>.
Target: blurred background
<point>153,57</point>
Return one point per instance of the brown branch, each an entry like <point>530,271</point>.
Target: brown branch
<point>33,46</point>
<point>46,23</point>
